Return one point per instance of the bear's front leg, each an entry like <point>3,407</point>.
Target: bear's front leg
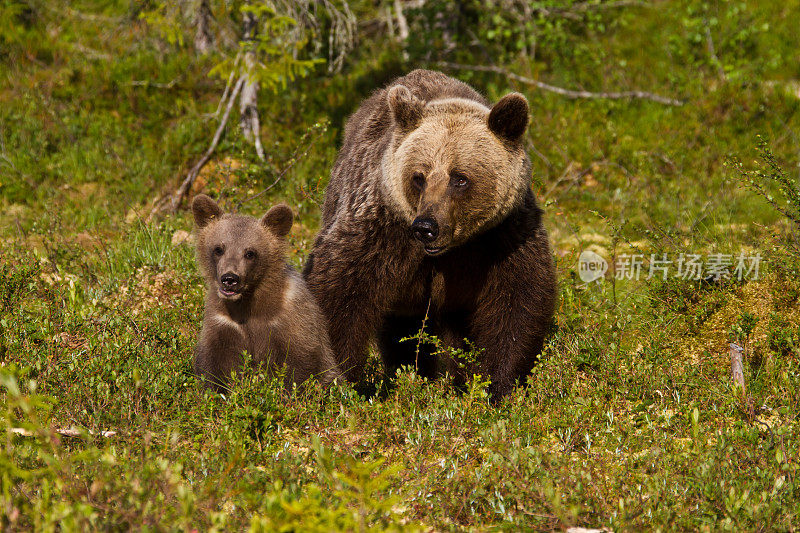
<point>218,355</point>
<point>513,316</point>
<point>346,275</point>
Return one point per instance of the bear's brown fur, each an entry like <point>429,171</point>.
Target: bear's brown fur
<point>255,300</point>
<point>429,208</point>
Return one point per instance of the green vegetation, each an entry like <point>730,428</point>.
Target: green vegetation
<point>630,421</point>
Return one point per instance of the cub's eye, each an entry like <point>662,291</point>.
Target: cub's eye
<point>249,255</point>
<point>418,180</point>
<point>459,180</point>
<point>218,251</point>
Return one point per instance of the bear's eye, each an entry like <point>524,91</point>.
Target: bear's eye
<point>418,180</point>
<point>218,251</point>
<point>457,179</point>
<point>249,255</point>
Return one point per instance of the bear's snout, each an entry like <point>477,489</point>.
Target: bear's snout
<point>229,282</point>
<point>425,229</point>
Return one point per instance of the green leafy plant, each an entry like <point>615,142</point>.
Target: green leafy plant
<point>768,177</point>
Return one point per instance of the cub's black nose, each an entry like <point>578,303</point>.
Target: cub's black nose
<point>425,230</point>
<point>229,280</point>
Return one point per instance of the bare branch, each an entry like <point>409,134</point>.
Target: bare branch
<point>175,199</point>
<point>737,373</point>
<point>148,83</point>
<point>228,85</point>
<point>624,95</point>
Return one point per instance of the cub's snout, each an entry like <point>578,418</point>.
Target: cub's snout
<point>230,284</point>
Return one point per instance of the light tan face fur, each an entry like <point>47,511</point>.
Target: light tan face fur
<point>241,247</point>
<point>449,166</point>
<point>251,249</point>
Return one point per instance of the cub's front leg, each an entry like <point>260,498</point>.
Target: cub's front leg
<point>219,354</point>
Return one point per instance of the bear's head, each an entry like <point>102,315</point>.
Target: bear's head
<point>455,167</point>
<point>239,253</point>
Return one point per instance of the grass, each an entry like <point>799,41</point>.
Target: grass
<point>630,421</point>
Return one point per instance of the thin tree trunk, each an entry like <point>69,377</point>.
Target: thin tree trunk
<point>402,23</point>
<point>203,40</point>
<point>248,102</point>
<point>737,372</point>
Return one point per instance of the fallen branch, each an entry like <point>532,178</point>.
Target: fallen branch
<point>148,83</point>
<point>68,432</point>
<point>624,95</point>
<point>737,373</point>
<point>176,198</point>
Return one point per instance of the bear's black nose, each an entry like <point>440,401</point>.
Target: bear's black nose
<point>229,280</point>
<point>425,230</point>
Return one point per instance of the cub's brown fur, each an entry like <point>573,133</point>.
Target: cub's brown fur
<point>255,300</point>
<point>430,201</point>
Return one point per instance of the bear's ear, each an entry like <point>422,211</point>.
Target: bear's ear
<point>406,108</point>
<point>278,219</point>
<point>205,210</point>
<point>509,117</point>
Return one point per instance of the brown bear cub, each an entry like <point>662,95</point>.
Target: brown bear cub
<point>255,300</point>
<point>430,212</point>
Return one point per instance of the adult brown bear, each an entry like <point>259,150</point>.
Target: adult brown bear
<point>429,209</point>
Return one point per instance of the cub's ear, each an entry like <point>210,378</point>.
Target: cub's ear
<point>509,117</point>
<point>278,219</point>
<point>205,210</point>
<point>406,108</point>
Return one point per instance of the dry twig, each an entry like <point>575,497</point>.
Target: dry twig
<point>172,202</point>
<point>148,83</point>
<point>623,95</point>
<point>66,432</point>
<point>737,372</point>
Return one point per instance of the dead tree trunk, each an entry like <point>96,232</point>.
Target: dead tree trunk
<point>248,101</point>
<point>203,40</point>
